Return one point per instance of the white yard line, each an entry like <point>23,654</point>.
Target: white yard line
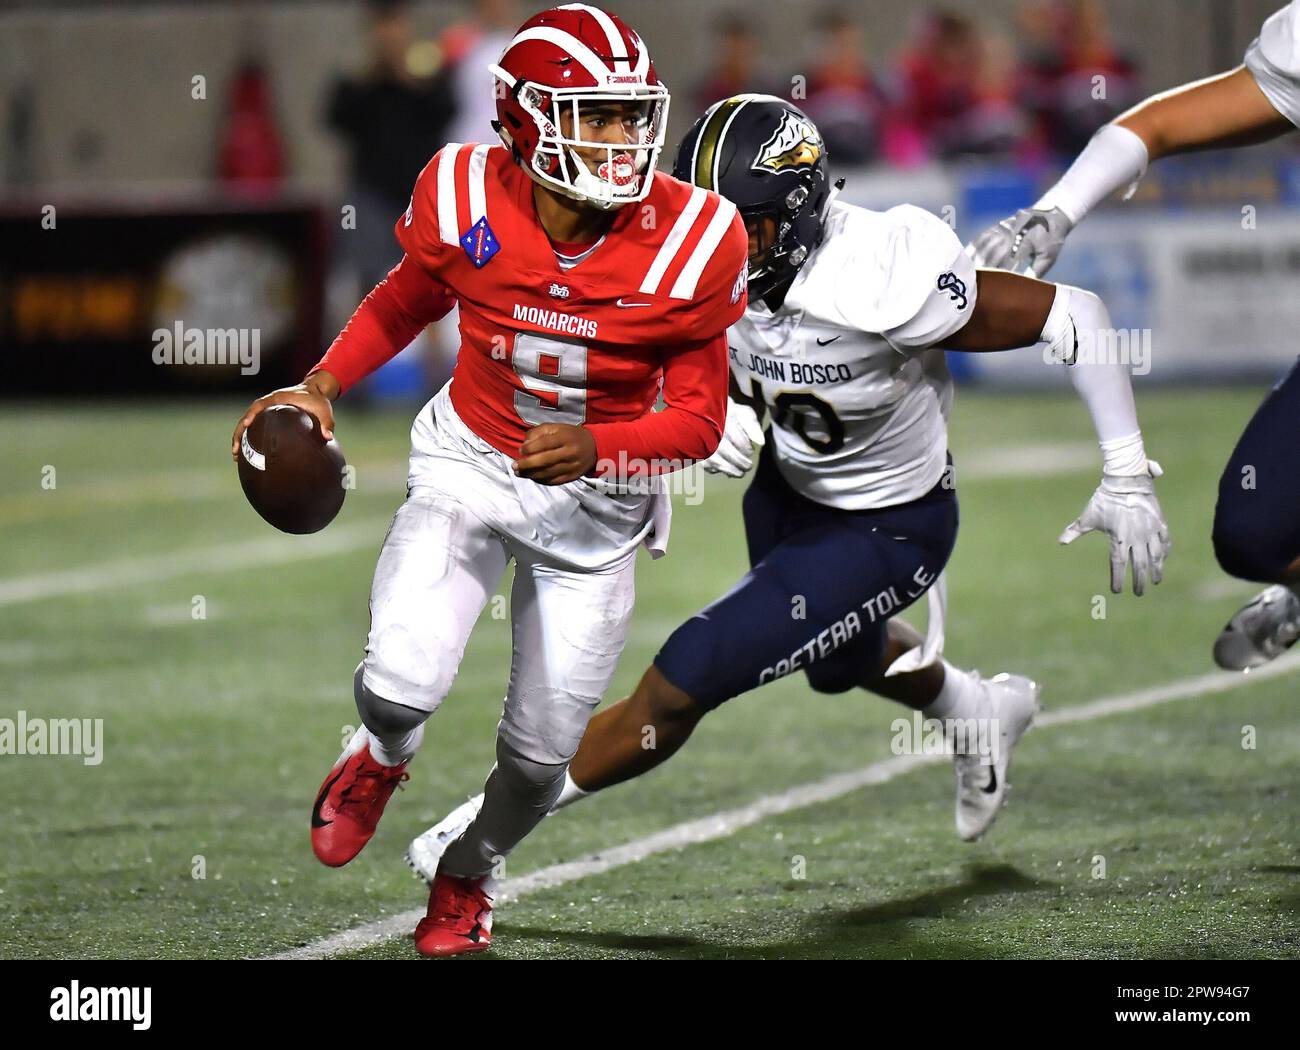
<point>75,497</point>
<point>1023,461</point>
<point>728,822</point>
<point>193,561</point>
<point>986,464</point>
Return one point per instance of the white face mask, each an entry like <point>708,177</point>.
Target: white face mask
<point>612,173</point>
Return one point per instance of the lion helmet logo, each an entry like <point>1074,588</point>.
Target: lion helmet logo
<point>794,145</point>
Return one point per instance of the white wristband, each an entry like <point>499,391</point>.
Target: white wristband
<point>1125,457</point>
<point>1114,157</point>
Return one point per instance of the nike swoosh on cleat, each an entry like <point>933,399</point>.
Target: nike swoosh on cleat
<point>473,934</point>
<point>828,341</point>
<point>316,821</point>
<point>993,781</point>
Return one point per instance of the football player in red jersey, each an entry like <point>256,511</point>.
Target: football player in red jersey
<point>588,284</point>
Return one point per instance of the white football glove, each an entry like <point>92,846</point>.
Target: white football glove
<point>1028,242</point>
<point>1126,510</point>
<point>741,434</point>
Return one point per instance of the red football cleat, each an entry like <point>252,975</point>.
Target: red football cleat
<point>459,919</point>
<point>350,803</point>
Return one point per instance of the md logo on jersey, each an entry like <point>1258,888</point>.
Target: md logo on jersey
<point>955,287</point>
<point>794,145</point>
<point>480,243</point>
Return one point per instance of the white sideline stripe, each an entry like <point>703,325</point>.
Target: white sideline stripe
<point>992,463</point>
<point>728,822</point>
<point>1224,587</point>
<point>204,561</point>
<point>1024,461</point>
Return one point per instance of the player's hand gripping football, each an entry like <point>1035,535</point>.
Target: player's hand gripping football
<point>1127,511</point>
<point>314,396</point>
<point>741,435</point>
<point>1028,242</point>
<point>556,453</point>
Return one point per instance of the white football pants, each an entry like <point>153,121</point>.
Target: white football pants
<point>444,555</point>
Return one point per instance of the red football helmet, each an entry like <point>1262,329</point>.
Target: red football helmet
<point>571,60</point>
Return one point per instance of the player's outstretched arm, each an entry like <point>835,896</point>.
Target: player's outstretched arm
<point>1014,311</point>
<point>395,312</point>
<point>1219,112</point>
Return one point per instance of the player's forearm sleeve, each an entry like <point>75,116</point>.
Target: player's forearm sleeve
<point>1079,331</point>
<point>392,315</point>
<point>688,428</point>
<point>1114,157</point>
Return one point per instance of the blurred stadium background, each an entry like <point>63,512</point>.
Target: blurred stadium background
<point>247,160</point>
<point>240,165</point>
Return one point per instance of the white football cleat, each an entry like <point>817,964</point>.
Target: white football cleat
<point>1263,629</point>
<point>1012,702</point>
<point>425,851</point>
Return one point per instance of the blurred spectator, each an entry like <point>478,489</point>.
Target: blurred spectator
<point>957,86</point>
<point>392,117</point>
<point>996,125</point>
<point>251,154</point>
<point>468,48</point>
<point>937,74</point>
<point>843,96</point>
<point>734,63</point>
<point>1073,77</point>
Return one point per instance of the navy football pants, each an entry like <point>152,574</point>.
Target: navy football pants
<point>823,585</point>
<point>1257,519</point>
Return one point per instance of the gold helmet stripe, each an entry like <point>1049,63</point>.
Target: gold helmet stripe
<point>706,147</point>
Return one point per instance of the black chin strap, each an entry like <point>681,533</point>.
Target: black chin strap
<point>774,299</point>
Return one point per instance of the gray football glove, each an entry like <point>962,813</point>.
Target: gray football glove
<point>740,436</point>
<point>1028,242</point>
<point>1127,511</point>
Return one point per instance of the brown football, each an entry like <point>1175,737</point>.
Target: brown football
<point>291,475</point>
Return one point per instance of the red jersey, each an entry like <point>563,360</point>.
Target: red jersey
<point>592,345</point>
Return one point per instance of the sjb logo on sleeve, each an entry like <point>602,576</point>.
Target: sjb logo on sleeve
<point>955,287</point>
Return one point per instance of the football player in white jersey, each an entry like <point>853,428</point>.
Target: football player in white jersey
<point>1256,527</point>
<point>852,513</point>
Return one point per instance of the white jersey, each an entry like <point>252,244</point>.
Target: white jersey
<point>859,404</point>
<point>1273,59</point>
